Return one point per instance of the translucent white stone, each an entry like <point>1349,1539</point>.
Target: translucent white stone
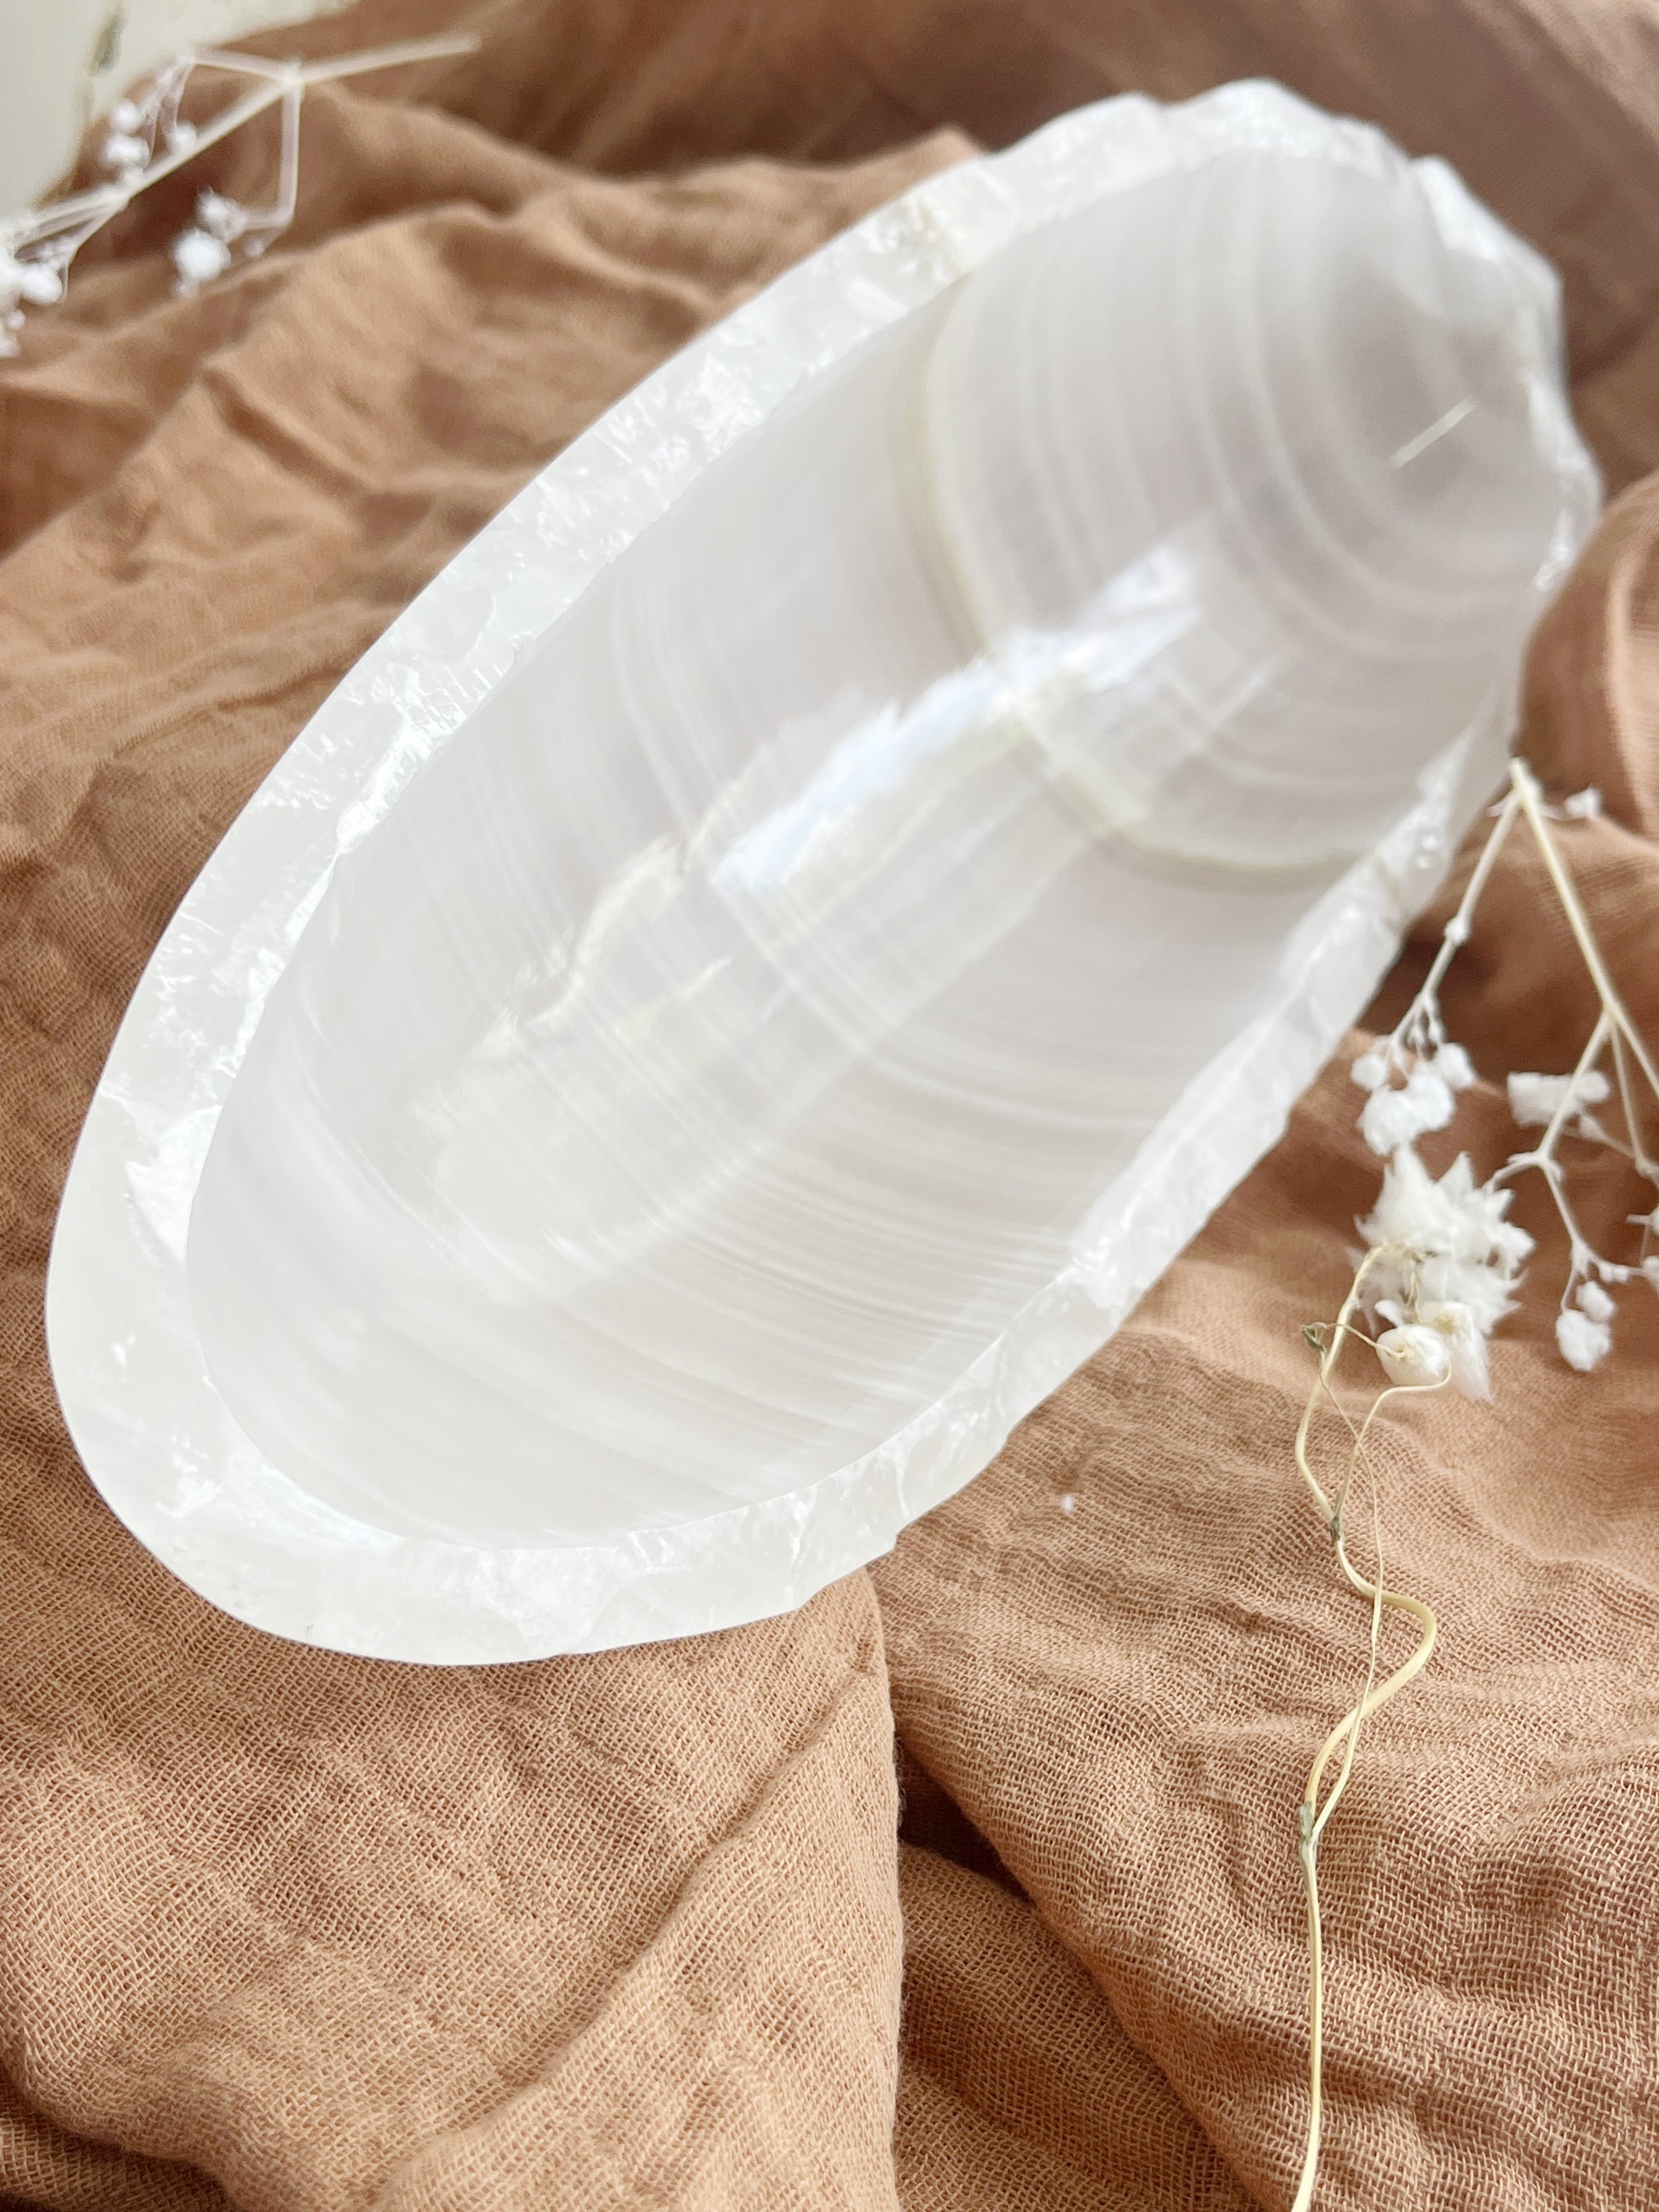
<point>760,967</point>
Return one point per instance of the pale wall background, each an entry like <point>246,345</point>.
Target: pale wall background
<point>61,60</point>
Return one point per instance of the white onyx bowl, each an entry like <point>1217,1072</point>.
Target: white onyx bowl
<point>748,980</point>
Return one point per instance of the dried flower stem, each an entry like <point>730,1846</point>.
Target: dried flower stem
<point>1527,790</point>
<point>36,247</point>
<point>1312,1816</point>
<point>1613,1028</point>
<point>1424,1008</point>
<point>1448,1257</point>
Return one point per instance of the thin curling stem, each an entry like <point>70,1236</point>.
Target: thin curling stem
<point>1312,1816</point>
<point>1443,1267</point>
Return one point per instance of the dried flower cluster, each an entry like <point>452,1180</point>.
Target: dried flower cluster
<point>1439,1272</point>
<point>147,139</point>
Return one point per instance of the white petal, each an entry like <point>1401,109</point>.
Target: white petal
<point>38,283</point>
<point>1388,1121</point>
<point>1482,1291</point>
<point>1584,806</point>
<point>1431,1096</point>
<point>1453,1065</point>
<point>1462,1326</point>
<point>1454,1244</point>
<point>1585,1343</point>
<point>223,218</point>
<point>1393,1118</point>
<point>1594,1301</point>
<point>121,150</point>
<point>199,259</point>
<point>1371,1070</point>
<point>1414,1356</point>
<point>1470,1374</point>
<point>1534,1098</point>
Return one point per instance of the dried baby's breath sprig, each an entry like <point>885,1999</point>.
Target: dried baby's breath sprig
<point>147,139</point>
<point>1442,1264</point>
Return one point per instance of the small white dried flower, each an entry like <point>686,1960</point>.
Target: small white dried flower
<point>1418,1358</point>
<point>33,284</point>
<point>1534,1100</point>
<point>198,259</point>
<point>138,128</point>
<point>1431,1096</point>
<point>123,152</point>
<point>1387,1122</point>
<point>1650,1268</point>
<point>1393,1118</point>
<point>1371,1070</point>
<point>1585,1343</point>
<point>1594,1301</point>
<point>1455,1217</point>
<point>221,217</point>
<point>1444,1244</point>
<point>1584,806</point>
<point>1452,1319</point>
<point>1454,1067</point>
<point>1068,1502</point>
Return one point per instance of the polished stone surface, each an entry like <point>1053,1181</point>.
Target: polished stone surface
<point>749,979</point>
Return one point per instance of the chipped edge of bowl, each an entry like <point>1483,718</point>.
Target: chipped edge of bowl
<point>157,1439</point>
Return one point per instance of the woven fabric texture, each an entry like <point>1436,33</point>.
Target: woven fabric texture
<point>290,1932</point>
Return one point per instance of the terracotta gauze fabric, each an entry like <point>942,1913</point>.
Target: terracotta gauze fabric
<point>298,1933</point>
